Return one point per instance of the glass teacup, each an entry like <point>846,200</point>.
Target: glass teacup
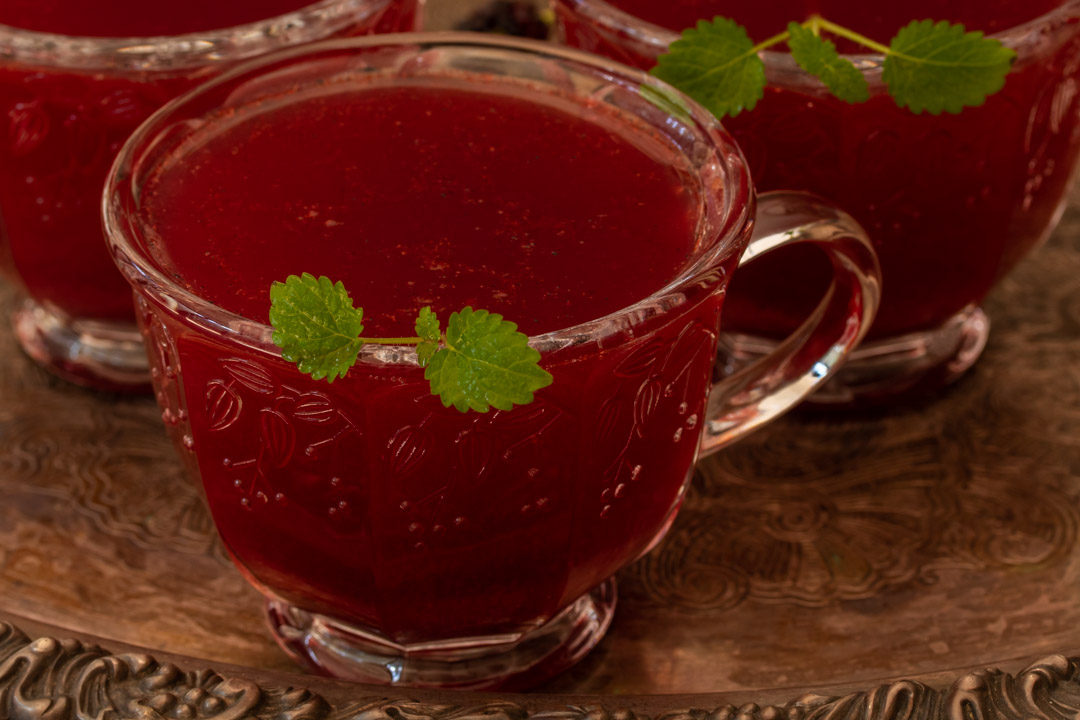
<point>67,104</point>
<point>397,540</point>
<point>951,202</point>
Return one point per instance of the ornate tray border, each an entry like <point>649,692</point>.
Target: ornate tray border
<point>46,678</point>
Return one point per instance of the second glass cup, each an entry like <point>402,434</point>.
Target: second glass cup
<point>951,202</point>
<point>74,83</point>
<point>397,540</point>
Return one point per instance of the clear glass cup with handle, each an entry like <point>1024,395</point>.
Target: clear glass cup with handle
<point>397,540</point>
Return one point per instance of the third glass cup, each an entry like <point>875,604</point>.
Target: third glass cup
<point>68,102</point>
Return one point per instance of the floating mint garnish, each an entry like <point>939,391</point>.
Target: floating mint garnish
<point>929,66</point>
<point>481,362</point>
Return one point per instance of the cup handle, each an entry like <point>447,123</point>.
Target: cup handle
<point>795,367</point>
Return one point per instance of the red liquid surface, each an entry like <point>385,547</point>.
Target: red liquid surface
<point>426,197</point>
<point>60,129</point>
<point>951,202</point>
<point>366,500</point>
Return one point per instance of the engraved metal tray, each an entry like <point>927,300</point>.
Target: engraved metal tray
<point>870,564</point>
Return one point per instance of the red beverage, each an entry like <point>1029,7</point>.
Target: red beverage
<point>68,103</point>
<point>951,202</point>
<point>397,540</point>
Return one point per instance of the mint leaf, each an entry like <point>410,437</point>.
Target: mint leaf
<point>482,362</point>
<point>937,67</point>
<point>427,327</point>
<point>716,64</point>
<point>818,56</point>
<point>486,363</point>
<point>315,325</point>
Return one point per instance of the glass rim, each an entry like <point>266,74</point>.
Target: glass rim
<point>167,53</point>
<point>141,271</point>
<point>780,63</point>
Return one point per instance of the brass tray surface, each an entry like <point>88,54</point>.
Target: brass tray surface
<point>864,564</point>
<point>828,550</point>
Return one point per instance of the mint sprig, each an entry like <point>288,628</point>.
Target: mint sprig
<point>929,66</point>
<point>481,362</point>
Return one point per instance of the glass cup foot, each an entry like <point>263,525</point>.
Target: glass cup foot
<point>98,354</point>
<point>881,371</point>
<point>345,651</point>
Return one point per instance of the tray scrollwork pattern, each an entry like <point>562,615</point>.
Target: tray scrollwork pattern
<point>46,678</point>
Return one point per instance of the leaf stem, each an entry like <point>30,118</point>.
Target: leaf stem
<point>392,341</point>
<point>841,31</point>
<point>769,42</point>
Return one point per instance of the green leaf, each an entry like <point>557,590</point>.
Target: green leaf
<point>717,65</point>
<point>427,328</point>
<point>315,325</point>
<point>937,66</point>
<point>818,56</point>
<point>486,363</point>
